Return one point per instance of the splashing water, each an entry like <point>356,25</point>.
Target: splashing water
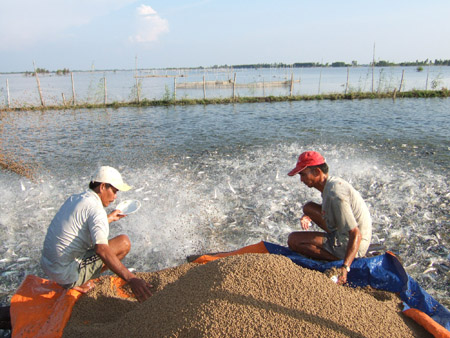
<point>228,191</point>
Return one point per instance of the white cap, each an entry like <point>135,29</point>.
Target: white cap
<point>110,175</point>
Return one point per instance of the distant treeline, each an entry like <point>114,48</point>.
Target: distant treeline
<point>64,71</point>
<point>416,63</point>
<point>380,63</point>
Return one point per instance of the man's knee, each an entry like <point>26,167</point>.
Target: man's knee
<point>310,208</point>
<point>126,242</point>
<point>300,239</point>
<point>293,240</point>
<point>289,241</point>
<point>121,245</point>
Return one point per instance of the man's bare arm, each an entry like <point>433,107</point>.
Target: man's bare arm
<point>354,241</point>
<point>139,287</point>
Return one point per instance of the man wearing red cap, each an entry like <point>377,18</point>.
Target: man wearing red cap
<point>343,215</point>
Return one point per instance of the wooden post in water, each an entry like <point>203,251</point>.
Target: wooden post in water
<point>292,84</point>
<point>204,87</point>
<point>401,81</point>
<point>39,85</point>
<point>373,66</point>
<point>428,73</point>
<point>320,79</point>
<point>138,96</point>
<point>264,87</point>
<point>63,98</point>
<point>395,93</point>
<point>7,93</point>
<point>73,89</point>
<point>379,80</point>
<point>234,87</point>
<point>105,95</point>
<point>346,85</point>
<point>175,88</point>
<point>299,83</point>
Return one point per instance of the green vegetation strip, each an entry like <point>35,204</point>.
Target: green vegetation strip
<point>170,102</point>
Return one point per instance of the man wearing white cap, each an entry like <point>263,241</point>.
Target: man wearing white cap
<point>343,215</point>
<point>76,247</point>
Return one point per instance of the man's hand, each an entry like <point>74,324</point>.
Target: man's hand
<point>305,222</point>
<point>115,216</point>
<point>342,279</point>
<point>140,288</point>
<point>354,241</point>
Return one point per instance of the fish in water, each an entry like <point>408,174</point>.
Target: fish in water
<point>9,273</point>
<point>231,188</point>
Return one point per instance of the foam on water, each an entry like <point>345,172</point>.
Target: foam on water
<point>213,178</point>
<point>216,201</point>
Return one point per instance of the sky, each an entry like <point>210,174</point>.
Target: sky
<point>120,34</point>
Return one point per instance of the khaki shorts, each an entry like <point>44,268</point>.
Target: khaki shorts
<point>89,268</point>
<point>341,250</point>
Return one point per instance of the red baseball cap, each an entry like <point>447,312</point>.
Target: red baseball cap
<point>307,159</point>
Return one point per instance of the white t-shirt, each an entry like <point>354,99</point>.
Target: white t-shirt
<point>79,224</point>
<point>344,209</point>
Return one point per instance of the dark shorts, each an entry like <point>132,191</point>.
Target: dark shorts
<point>337,251</point>
<point>340,251</point>
<point>89,268</point>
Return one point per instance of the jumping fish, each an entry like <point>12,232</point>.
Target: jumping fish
<point>231,188</point>
<point>9,273</point>
<point>429,270</point>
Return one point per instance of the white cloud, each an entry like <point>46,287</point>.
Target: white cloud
<point>146,10</point>
<point>149,25</point>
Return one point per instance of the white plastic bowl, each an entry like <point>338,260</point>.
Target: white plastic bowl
<point>128,207</point>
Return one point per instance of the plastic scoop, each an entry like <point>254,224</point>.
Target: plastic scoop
<point>128,207</point>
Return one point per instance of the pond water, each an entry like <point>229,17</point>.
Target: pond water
<point>213,178</point>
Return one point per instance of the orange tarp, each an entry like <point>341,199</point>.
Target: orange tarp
<point>437,330</point>
<point>254,248</point>
<point>41,308</point>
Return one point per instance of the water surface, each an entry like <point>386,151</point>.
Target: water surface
<point>214,178</point>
